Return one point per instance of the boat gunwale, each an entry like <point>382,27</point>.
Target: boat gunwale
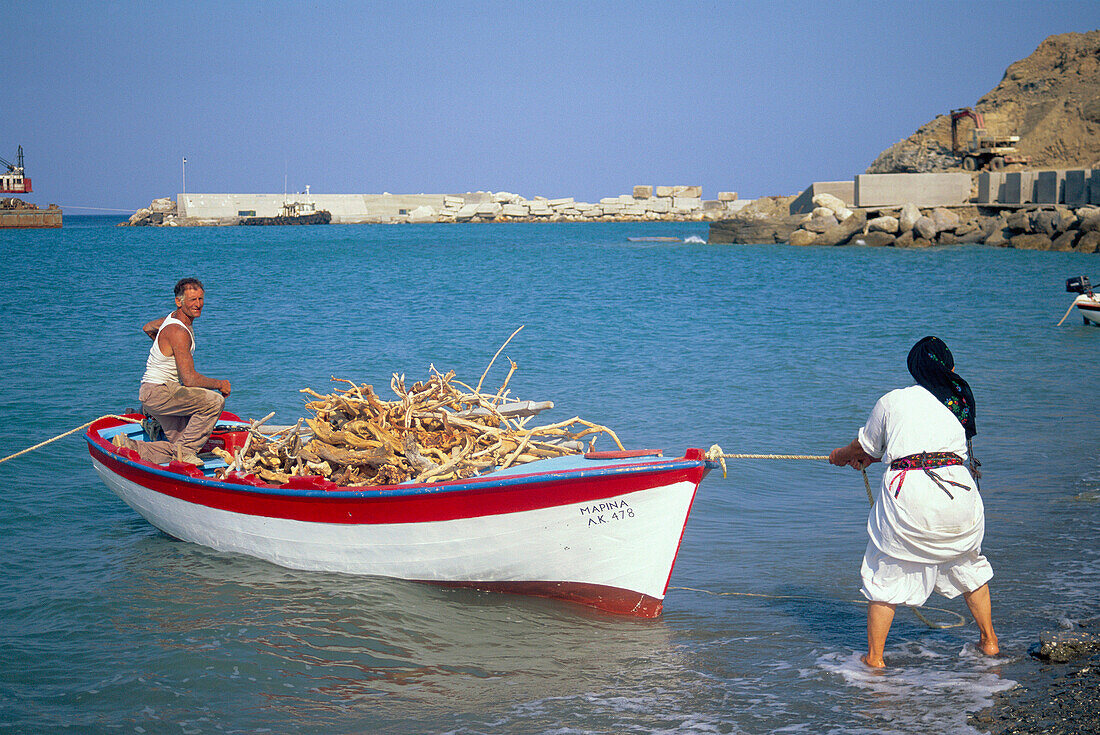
<point>97,442</point>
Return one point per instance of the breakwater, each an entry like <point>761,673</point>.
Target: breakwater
<point>645,203</point>
<point>832,222</point>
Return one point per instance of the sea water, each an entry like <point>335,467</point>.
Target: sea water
<point>107,625</point>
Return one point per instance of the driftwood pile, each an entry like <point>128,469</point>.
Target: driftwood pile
<point>438,429</point>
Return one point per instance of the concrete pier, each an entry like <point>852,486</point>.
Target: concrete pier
<point>645,203</point>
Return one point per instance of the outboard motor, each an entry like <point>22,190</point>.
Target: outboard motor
<point>1080,284</point>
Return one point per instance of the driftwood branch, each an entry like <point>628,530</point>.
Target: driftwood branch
<point>490,365</point>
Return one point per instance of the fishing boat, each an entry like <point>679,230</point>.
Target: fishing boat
<point>601,529</point>
<point>1087,302</point>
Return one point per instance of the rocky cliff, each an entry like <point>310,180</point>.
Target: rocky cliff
<point>1051,100</point>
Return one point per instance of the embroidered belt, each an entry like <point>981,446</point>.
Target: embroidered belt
<point>926,462</point>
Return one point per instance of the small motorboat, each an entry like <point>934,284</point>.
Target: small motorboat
<point>602,529</point>
<point>1087,302</point>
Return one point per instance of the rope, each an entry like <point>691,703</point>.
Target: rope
<point>930,623</point>
<point>715,453</point>
<point>67,433</point>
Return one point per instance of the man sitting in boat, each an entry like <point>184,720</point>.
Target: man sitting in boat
<point>185,402</point>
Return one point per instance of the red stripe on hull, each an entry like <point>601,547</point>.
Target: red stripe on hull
<point>608,599</point>
<point>440,504</point>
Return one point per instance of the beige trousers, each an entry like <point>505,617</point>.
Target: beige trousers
<point>187,415</point>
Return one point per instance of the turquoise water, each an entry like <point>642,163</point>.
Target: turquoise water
<point>107,625</point>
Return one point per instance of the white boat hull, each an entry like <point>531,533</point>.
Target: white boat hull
<point>628,544</point>
<point>1088,307</point>
<point>596,529</point>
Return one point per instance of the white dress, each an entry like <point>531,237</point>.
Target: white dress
<point>922,538</point>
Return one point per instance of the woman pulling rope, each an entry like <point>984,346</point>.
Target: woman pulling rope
<point>926,530</point>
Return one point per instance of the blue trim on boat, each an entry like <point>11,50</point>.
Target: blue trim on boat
<point>569,467</point>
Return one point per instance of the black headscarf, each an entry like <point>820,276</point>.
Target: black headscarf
<point>930,363</point>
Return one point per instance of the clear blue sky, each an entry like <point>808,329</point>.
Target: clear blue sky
<point>554,98</point>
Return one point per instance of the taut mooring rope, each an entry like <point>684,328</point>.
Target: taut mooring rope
<point>716,454</point>
<point>67,433</point>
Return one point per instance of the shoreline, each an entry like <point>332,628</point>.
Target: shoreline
<point>1058,687</point>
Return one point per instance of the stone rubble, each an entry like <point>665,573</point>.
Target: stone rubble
<point>160,213</point>
<point>1033,228</point>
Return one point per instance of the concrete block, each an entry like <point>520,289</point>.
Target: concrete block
<point>422,213</point>
<point>610,200</point>
<point>924,190</point>
<point>453,202</point>
<point>1020,187</point>
<point>991,187</point>
<point>663,191</point>
<point>626,199</point>
<point>1094,187</point>
<point>467,211</point>
<point>488,209</point>
<point>661,205</point>
<point>633,210</point>
<point>1076,189</point>
<point>643,192</point>
<point>515,210</point>
<point>803,204</point>
<point>687,192</point>
<point>611,207</point>
<point>689,204</point>
<point>561,202</point>
<point>1048,186</point>
<point>712,204</point>
<point>727,196</point>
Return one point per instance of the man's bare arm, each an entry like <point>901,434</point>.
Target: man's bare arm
<point>153,327</point>
<point>180,345</point>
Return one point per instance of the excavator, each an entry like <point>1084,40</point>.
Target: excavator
<point>983,150</point>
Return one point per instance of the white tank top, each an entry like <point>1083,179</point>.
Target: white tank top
<point>161,369</point>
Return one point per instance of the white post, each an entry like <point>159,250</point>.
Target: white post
<point>185,174</point>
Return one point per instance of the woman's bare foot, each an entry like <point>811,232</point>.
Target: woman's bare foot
<point>989,646</point>
<point>874,664</point>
